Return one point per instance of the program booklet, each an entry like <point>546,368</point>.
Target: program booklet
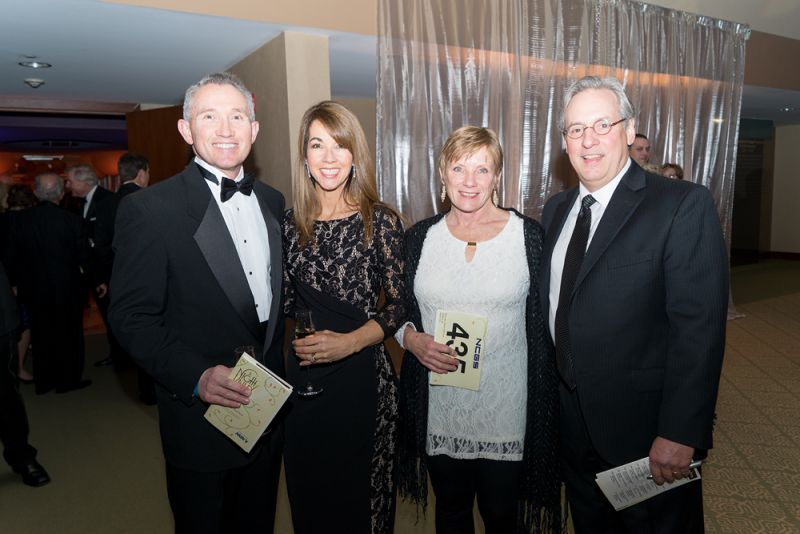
<point>628,484</point>
<point>246,424</point>
<point>466,333</point>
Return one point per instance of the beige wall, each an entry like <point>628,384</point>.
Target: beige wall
<point>786,191</point>
<point>365,110</point>
<point>282,95</point>
<point>354,16</point>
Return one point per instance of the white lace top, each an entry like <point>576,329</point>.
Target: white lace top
<point>489,423</point>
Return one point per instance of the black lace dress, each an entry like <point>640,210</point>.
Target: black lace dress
<point>339,453</point>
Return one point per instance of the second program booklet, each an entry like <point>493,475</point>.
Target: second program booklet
<point>246,424</point>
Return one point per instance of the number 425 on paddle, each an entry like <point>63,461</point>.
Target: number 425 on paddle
<point>466,334</point>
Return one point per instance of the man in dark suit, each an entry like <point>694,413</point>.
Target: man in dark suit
<point>19,454</point>
<point>197,273</point>
<point>639,150</point>
<point>134,174</point>
<point>635,284</point>
<point>82,182</point>
<point>48,255</point>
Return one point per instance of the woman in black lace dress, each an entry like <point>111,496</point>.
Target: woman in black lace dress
<point>341,247</point>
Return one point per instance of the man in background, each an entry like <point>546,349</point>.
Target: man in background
<point>640,150</point>
<point>19,454</point>
<point>48,254</point>
<point>82,182</point>
<point>134,174</point>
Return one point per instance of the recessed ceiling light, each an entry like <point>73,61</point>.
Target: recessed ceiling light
<point>34,64</point>
<point>40,157</point>
<point>718,120</point>
<point>787,109</point>
<point>34,82</point>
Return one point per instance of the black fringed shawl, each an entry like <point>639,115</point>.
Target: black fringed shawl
<point>539,510</point>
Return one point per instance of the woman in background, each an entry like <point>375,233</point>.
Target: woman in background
<point>672,170</point>
<point>341,248</point>
<point>498,443</point>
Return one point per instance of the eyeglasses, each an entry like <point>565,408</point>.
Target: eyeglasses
<point>601,127</point>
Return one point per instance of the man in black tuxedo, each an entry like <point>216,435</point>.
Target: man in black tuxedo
<point>48,255</point>
<point>197,273</point>
<point>19,454</point>
<point>635,282</point>
<point>134,174</point>
<point>82,182</point>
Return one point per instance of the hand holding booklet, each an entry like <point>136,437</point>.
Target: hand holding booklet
<point>466,334</point>
<point>629,484</point>
<point>246,424</point>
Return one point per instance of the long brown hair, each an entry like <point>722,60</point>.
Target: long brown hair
<point>359,190</point>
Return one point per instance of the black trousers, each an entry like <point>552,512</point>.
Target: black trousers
<point>58,344</point>
<point>115,349</point>
<point>456,483</point>
<point>678,511</point>
<point>234,500</point>
<point>13,419</point>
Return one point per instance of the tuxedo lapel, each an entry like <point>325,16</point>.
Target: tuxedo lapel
<point>275,257</point>
<point>215,243</point>
<point>626,198</point>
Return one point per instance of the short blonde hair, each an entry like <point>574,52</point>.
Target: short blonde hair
<point>468,140</point>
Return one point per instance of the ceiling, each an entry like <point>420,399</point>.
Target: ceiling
<point>109,58</point>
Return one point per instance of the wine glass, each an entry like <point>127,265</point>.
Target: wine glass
<point>304,326</point>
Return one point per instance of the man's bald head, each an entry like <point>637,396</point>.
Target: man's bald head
<point>49,187</point>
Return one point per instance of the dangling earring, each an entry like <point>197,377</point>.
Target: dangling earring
<point>495,199</point>
<point>308,171</point>
<point>444,192</point>
<point>353,171</point>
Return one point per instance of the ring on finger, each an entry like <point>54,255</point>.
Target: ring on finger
<point>313,357</point>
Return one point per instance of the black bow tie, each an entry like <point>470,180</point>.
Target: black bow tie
<point>229,187</point>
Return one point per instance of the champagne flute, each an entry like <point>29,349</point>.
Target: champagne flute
<point>304,326</point>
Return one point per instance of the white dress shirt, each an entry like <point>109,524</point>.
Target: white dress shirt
<point>247,228</point>
<point>602,197</point>
<point>88,200</point>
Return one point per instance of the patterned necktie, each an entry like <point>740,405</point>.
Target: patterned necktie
<point>229,187</point>
<point>576,250</point>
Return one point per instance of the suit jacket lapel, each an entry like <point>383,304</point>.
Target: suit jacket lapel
<point>274,236</point>
<point>626,198</point>
<point>214,241</point>
<point>553,231</point>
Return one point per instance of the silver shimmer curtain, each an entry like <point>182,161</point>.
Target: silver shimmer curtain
<point>505,64</point>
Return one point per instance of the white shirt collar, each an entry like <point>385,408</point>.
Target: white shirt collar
<point>217,172</point>
<point>604,194</point>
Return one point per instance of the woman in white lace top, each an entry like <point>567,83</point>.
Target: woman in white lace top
<point>496,443</point>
